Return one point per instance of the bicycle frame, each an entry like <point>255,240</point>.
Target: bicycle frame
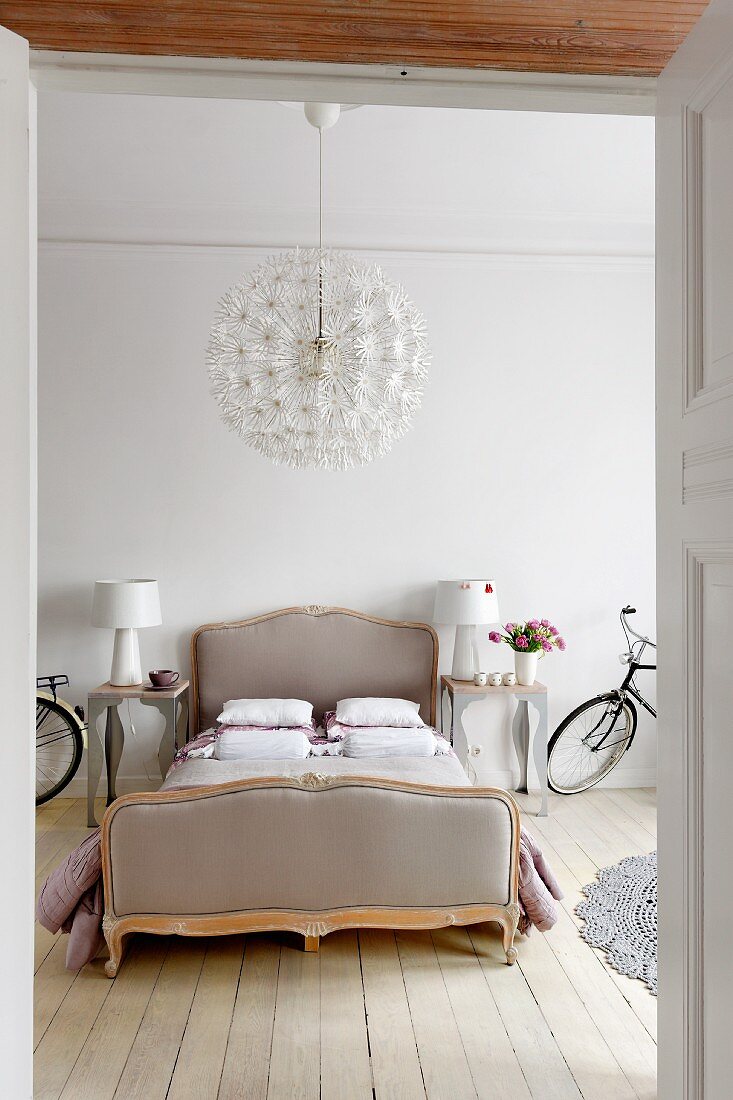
<point>50,683</point>
<point>628,687</point>
<point>46,689</point>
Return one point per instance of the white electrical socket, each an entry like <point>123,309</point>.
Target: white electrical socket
<point>475,750</point>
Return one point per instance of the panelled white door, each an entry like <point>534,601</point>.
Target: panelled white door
<point>17,561</point>
<point>695,560</point>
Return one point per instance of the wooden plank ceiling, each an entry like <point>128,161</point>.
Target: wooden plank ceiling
<point>570,36</point>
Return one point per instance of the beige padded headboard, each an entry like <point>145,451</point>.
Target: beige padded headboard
<point>321,654</point>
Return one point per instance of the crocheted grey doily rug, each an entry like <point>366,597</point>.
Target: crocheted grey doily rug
<point>621,916</point>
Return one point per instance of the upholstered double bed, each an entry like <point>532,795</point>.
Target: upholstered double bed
<point>310,845</point>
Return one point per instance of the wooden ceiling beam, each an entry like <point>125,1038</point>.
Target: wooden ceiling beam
<point>630,37</point>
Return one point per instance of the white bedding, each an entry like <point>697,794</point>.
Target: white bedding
<point>277,744</point>
<point>387,741</point>
<point>378,712</point>
<point>266,712</point>
<point>436,770</point>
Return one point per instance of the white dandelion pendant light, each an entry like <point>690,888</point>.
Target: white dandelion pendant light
<point>317,359</point>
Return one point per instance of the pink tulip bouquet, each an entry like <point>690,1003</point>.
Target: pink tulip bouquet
<point>534,636</point>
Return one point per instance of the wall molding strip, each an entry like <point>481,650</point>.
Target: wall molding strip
<point>252,254</point>
<point>225,78</point>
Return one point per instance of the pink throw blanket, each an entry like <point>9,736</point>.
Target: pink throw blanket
<point>538,887</point>
<point>72,898</point>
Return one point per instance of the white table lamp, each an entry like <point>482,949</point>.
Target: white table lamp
<point>125,606</point>
<point>466,604</point>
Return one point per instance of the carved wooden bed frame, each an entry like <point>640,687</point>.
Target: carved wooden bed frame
<point>312,923</point>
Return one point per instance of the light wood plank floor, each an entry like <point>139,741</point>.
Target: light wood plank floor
<point>374,1014</point>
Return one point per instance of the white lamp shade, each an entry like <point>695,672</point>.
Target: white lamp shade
<point>465,603</point>
<point>126,603</point>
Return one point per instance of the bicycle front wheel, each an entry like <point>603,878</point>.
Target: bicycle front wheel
<point>589,743</point>
<point>59,747</point>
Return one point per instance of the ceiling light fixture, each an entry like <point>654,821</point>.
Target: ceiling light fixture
<point>316,358</point>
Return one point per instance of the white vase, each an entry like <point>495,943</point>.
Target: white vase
<point>525,667</point>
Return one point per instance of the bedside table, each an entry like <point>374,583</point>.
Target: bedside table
<point>459,694</point>
<point>172,703</point>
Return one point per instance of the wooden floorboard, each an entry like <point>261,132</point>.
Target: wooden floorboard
<point>247,1061</point>
<point>645,815</point>
<point>395,1065</point>
<point>632,1046</point>
<point>53,981</point>
<point>151,1061</point>
<point>445,1068</point>
<point>48,815</point>
<point>98,1068</point>
<point>64,1039</point>
<point>599,803</point>
<point>494,1066</point>
<point>581,1043</point>
<point>201,1059</point>
<point>411,1016</point>
<point>565,862</point>
<point>345,1069</point>
<point>295,1063</point>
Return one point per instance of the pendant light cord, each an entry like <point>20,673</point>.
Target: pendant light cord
<point>320,233</point>
<point>320,188</point>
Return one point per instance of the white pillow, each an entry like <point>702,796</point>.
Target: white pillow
<point>336,731</point>
<point>378,712</point>
<point>266,712</point>
<point>282,744</point>
<point>375,742</point>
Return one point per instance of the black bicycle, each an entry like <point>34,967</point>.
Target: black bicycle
<point>589,743</point>
<point>59,738</point>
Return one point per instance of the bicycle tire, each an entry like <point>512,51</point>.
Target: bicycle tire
<point>590,781</point>
<point>68,730</point>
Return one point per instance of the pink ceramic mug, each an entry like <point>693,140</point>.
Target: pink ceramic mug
<point>163,677</point>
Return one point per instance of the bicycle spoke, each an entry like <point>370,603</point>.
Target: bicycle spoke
<point>41,732</point>
<point>62,736</point>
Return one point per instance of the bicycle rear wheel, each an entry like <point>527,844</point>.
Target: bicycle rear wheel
<point>589,743</point>
<point>59,747</point>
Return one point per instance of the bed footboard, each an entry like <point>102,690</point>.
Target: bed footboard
<point>310,855</point>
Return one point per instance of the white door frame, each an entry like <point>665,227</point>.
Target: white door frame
<point>373,84</point>
<point>18,557</point>
<point>695,558</point>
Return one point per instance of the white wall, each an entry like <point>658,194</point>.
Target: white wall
<point>525,239</point>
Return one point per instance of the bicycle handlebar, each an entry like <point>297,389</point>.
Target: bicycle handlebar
<point>628,610</point>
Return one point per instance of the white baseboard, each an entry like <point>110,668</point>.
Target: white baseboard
<point>126,784</point>
<point>631,777</point>
<point>619,777</point>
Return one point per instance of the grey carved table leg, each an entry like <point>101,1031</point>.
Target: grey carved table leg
<point>114,742</point>
<point>541,736</point>
<point>446,715</point>
<point>460,705</point>
<point>167,750</point>
<point>520,733</point>
<point>95,756</point>
<point>182,723</point>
